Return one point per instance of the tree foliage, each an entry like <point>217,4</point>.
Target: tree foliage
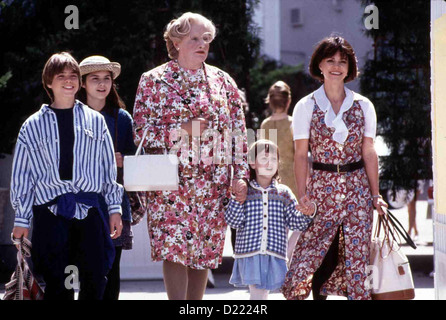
<point>129,32</point>
<point>397,81</point>
<point>265,73</point>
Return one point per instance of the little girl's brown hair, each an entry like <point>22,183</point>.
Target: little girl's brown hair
<point>258,147</point>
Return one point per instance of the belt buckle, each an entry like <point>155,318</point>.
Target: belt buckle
<point>338,170</point>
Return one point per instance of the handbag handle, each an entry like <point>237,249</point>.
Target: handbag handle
<point>393,229</point>
<point>144,135</point>
<point>399,229</point>
<point>138,151</point>
<point>24,247</point>
<point>388,235</point>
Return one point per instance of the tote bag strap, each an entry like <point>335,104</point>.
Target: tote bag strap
<point>388,237</point>
<point>399,229</point>
<point>382,224</point>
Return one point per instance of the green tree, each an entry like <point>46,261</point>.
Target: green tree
<point>130,32</point>
<point>397,81</point>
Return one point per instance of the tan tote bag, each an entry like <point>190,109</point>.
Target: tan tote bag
<point>391,277</point>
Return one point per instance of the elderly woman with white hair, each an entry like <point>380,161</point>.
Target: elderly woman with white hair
<point>191,108</point>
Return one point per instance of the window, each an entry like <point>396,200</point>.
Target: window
<point>296,17</point>
<point>337,5</point>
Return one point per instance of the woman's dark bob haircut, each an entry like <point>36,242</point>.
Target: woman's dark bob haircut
<point>327,48</point>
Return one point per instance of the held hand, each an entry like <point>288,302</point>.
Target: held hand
<point>194,124</point>
<point>310,211</point>
<point>19,232</point>
<point>240,190</point>
<point>378,203</point>
<point>119,159</point>
<point>115,225</point>
<point>305,206</point>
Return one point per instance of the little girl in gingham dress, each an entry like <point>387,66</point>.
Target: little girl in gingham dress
<point>262,224</point>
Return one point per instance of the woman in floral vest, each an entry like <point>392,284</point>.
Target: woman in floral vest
<point>339,127</point>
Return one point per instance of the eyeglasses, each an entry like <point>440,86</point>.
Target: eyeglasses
<point>206,37</point>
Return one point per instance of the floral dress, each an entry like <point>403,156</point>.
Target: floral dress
<point>344,202</point>
<point>187,226</point>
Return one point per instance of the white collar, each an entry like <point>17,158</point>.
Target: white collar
<point>333,120</point>
<point>257,186</point>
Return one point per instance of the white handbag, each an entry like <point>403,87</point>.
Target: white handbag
<point>391,277</point>
<point>150,172</point>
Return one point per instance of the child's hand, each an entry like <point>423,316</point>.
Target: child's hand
<point>19,233</point>
<point>119,159</point>
<point>311,211</point>
<point>240,190</point>
<point>115,225</point>
<point>306,206</point>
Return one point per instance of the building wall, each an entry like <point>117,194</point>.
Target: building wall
<point>319,19</point>
<point>438,78</point>
<point>266,15</point>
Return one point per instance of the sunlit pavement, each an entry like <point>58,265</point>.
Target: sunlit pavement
<point>424,283</point>
<point>423,255</point>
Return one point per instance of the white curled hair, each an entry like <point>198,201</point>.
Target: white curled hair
<point>179,28</point>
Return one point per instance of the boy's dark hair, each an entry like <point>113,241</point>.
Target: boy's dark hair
<point>328,47</point>
<point>258,147</point>
<point>56,64</point>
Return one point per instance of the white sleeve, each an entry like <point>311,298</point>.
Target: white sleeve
<point>302,118</point>
<point>369,117</point>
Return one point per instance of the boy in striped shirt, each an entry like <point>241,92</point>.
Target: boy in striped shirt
<point>63,159</point>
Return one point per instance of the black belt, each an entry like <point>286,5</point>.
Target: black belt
<point>338,168</point>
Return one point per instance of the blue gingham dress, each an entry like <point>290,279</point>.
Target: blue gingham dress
<point>262,224</point>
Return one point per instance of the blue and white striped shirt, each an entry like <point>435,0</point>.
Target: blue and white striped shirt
<point>35,172</point>
<point>262,220</point>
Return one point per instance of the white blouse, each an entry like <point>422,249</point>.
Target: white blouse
<point>304,109</point>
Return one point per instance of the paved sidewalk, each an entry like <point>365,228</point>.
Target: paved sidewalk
<point>421,261</point>
<point>154,290</point>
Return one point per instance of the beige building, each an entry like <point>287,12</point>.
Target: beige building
<point>291,28</point>
<point>438,58</point>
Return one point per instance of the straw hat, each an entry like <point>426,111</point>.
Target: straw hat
<point>99,63</point>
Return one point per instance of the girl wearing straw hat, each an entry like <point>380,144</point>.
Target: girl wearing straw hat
<point>99,92</point>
